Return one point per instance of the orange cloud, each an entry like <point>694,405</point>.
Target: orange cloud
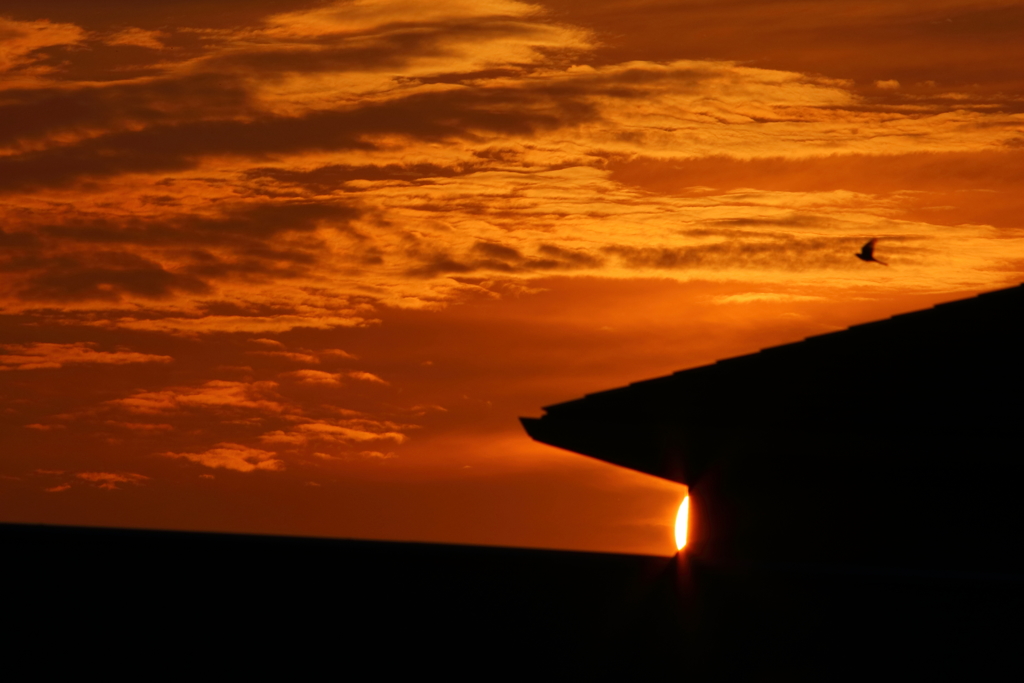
<point>256,184</point>
<point>337,352</point>
<point>315,377</point>
<point>366,377</point>
<point>206,324</point>
<point>213,395</point>
<point>20,41</point>
<point>110,480</point>
<point>325,431</point>
<point>47,355</point>
<point>137,37</point>
<point>494,205</point>
<point>144,427</point>
<point>233,456</point>
<point>289,355</point>
<point>272,343</point>
<point>376,455</point>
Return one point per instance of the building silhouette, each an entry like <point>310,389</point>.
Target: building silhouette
<point>856,496</point>
<point>894,444</point>
<point>856,507</point>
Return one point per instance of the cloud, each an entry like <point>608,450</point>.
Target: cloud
<point>311,168</point>
<point>272,343</point>
<point>22,39</point>
<point>753,297</point>
<point>235,178</point>
<point>357,431</point>
<point>337,352</point>
<point>288,355</point>
<point>42,355</point>
<point>373,42</point>
<point>779,253</point>
<point>107,276</point>
<point>376,455</point>
<point>142,427</point>
<point>359,16</point>
<point>110,480</point>
<point>136,37</point>
<point>420,410</point>
<point>233,456</point>
<point>216,395</point>
<point>234,323</point>
<point>315,377</point>
<point>366,377</point>
<point>302,356</point>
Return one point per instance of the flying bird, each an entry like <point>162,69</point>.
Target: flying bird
<point>867,252</point>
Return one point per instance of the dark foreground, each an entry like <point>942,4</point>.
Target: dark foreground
<point>254,601</point>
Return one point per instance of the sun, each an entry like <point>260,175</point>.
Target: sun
<point>682,523</point>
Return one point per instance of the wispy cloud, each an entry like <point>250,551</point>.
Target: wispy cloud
<point>232,456</point>
<point>306,170</point>
<point>213,395</point>
<point>352,432</point>
<point>344,215</point>
<point>22,40</point>
<point>107,481</point>
<point>136,37</point>
<point>366,377</point>
<point>315,377</point>
<point>43,355</point>
<point>110,480</point>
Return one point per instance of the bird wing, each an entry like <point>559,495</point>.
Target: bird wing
<point>868,249</point>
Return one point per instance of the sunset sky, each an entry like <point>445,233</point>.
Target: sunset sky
<point>296,267</point>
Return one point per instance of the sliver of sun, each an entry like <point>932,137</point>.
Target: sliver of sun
<point>682,523</point>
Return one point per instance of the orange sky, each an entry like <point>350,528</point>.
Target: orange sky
<point>296,267</point>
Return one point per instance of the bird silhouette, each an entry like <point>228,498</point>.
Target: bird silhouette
<point>867,253</point>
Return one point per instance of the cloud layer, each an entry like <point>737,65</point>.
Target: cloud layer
<point>285,243</point>
<point>306,169</point>
<point>50,356</point>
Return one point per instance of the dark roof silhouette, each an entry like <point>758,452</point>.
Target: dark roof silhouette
<point>183,599</point>
<point>855,504</point>
<point>892,443</point>
<point>855,507</point>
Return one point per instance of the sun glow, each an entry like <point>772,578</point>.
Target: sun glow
<point>682,523</point>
